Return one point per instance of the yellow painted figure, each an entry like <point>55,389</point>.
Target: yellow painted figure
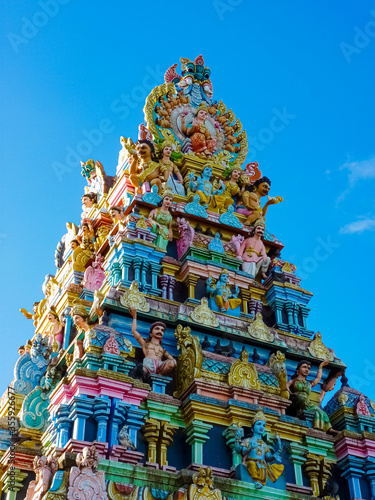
<point>257,455</point>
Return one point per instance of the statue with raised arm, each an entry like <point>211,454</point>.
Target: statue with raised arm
<point>256,455</point>
<point>157,360</point>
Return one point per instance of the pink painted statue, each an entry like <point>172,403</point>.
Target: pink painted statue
<point>94,275</point>
<point>187,235</point>
<point>253,252</point>
<point>44,469</point>
<point>84,482</point>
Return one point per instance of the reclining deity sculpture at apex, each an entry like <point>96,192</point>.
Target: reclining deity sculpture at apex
<point>173,333</point>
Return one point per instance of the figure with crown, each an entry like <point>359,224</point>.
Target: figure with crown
<point>221,291</point>
<point>161,220</point>
<point>202,140</point>
<point>170,174</point>
<point>256,454</point>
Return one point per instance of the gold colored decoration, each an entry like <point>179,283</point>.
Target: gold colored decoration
<point>202,314</point>
<point>79,309</point>
<point>243,373</point>
<point>288,268</point>
<point>343,398</point>
<point>259,416</point>
<point>142,223</point>
<point>278,368</point>
<point>189,362</point>
<point>318,349</point>
<point>134,298</point>
<point>150,102</point>
<point>258,330</point>
<point>203,487</point>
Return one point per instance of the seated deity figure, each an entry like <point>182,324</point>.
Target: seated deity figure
<point>82,253</point>
<point>252,252</point>
<point>157,360</point>
<point>221,291</point>
<point>232,187</point>
<point>202,141</point>
<point>209,193</point>
<point>250,203</point>
<point>144,169</point>
<point>256,455</point>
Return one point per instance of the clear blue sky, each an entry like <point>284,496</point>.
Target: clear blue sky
<point>66,70</point>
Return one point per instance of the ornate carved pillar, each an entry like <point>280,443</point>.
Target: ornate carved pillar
<point>155,269</point>
<point>118,419</point>
<point>370,474</point>
<point>63,425</point>
<point>196,434</point>
<point>278,307</point>
<point>172,284</point>
<point>126,261</point>
<point>245,296</point>
<point>115,274</point>
<point>164,280</point>
<point>145,266</point>
<point>191,282</point>
<point>151,435</point>
<point>255,306</point>
<point>167,431</point>
<point>101,410</point>
<point>81,410</point>
<point>134,421</point>
<point>312,468</point>
<point>289,310</point>
<point>297,455</point>
<point>137,263</point>
<point>12,482</point>
<point>353,470</point>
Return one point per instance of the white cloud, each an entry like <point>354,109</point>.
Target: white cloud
<point>358,170</point>
<point>359,226</point>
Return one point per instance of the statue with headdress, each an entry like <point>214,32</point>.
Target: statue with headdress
<point>161,220</point>
<point>169,173</point>
<point>257,454</point>
<point>202,138</point>
<point>221,292</point>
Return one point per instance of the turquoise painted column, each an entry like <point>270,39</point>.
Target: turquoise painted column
<point>101,412</point>
<point>196,434</point>
<point>126,261</point>
<point>353,470</point>
<point>118,419</point>
<point>68,326</point>
<point>63,424</point>
<point>135,420</point>
<point>81,410</point>
<point>297,455</point>
<point>370,474</point>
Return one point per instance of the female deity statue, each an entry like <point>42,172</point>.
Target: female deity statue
<point>168,169</point>
<point>251,197</point>
<point>256,455</point>
<point>232,187</point>
<point>202,141</point>
<point>161,220</point>
<point>300,389</point>
<point>82,253</point>
<point>55,333</point>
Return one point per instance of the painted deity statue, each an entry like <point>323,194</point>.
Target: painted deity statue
<point>94,275</point>
<point>80,319</point>
<point>252,251</point>
<point>221,291</point>
<point>250,203</point>
<point>83,252</point>
<point>232,187</point>
<point>168,170</point>
<point>206,191</point>
<point>157,360</point>
<point>117,215</point>
<point>88,202</point>
<point>144,169</point>
<point>56,331</point>
<point>256,455</point>
<point>202,141</point>
<point>300,388</point>
<point>161,220</point>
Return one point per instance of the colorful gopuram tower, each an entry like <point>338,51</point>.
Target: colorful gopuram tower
<point>172,357</point>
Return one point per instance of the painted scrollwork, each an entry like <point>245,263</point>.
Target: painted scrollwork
<point>189,363</point>
<point>243,373</point>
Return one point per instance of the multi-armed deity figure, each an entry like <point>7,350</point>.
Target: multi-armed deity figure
<point>222,293</point>
<point>157,360</point>
<point>256,455</point>
<point>253,253</point>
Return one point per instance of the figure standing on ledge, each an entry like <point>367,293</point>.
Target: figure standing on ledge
<point>161,220</point>
<point>224,298</point>
<point>82,254</point>
<point>168,169</point>
<point>251,200</point>
<point>157,360</point>
<point>253,252</point>
<point>56,332</point>
<point>257,455</point>
<point>300,389</point>
<point>80,319</point>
